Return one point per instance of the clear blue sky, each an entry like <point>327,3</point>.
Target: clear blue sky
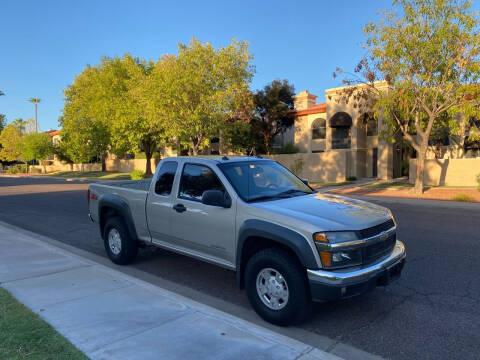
<point>44,44</point>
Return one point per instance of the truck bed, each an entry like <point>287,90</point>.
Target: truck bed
<point>133,192</point>
<point>132,184</point>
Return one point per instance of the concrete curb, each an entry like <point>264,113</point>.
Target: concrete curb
<point>253,336</point>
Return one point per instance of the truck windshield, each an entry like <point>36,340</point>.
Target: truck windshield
<point>263,180</point>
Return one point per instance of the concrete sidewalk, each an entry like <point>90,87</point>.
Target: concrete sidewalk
<point>110,315</point>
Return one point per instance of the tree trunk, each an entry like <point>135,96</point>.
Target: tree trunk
<point>148,166</point>
<point>36,122</point>
<point>420,170</point>
<point>267,143</point>
<point>194,143</point>
<point>104,163</point>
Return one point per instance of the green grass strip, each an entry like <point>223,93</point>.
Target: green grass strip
<point>24,335</point>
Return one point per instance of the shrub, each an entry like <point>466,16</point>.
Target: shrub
<point>351,178</point>
<point>11,170</point>
<point>463,197</point>
<point>137,175</point>
<point>21,168</point>
<point>288,148</point>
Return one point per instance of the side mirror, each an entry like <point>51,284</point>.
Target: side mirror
<point>216,198</point>
<point>305,181</point>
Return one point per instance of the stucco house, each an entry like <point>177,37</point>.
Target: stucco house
<point>334,131</point>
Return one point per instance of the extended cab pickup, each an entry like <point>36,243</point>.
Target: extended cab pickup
<point>287,244</point>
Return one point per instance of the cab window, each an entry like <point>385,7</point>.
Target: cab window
<point>195,180</point>
<point>166,175</point>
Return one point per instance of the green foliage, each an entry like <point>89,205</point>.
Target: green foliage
<point>18,168</point>
<point>197,92</point>
<point>36,146</point>
<point>463,197</point>
<point>288,148</point>
<point>272,105</point>
<point>137,175</point>
<point>11,140</point>
<point>85,129</point>
<point>351,178</point>
<point>241,137</point>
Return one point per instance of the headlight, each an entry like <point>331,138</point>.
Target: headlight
<point>334,237</point>
<point>335,258</point>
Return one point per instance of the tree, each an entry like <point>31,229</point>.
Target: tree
<point>199,90</point>
<point>272,105</point>
<point>10,139</point>
<point>3,122</point>
<point>36,146</point>
<point>85,128</point>
<point>20,125</point>
<point>135,124</point>
<point>35,102</point>
<point>428,53</point>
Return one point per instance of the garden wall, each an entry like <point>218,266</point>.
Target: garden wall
<point>450,172</point>
<point>316,167</point>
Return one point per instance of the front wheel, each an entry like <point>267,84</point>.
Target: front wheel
<point>120,247</point>
<point>277,287</point>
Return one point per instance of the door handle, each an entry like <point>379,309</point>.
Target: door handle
<point>179,208</point>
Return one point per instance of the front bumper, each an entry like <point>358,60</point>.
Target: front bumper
<point>345,283</point>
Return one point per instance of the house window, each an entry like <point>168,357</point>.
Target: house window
<point>319,129</point>
<point>372,125</point>
<point>341,137</point>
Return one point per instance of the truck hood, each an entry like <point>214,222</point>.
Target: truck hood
<point>328,212</point>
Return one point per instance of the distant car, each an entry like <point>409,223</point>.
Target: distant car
<point>287,244</point>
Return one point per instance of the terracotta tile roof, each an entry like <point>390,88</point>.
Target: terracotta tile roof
<point>52,133</point>
<point>315,109</point>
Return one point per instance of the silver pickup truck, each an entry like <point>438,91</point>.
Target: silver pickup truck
<point>288,245</point>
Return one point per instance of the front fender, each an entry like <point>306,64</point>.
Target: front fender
<point>277,233</point>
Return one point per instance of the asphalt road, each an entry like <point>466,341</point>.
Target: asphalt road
<point>432,312</point>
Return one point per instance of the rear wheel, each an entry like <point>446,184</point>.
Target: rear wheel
<point>120,247</point>
<point>277,287</point>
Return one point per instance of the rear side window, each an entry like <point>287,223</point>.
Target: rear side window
<point>166,174</point>
<point>195,180</point>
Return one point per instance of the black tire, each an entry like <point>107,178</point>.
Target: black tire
<point>128,248</point>
<point>298,305</point>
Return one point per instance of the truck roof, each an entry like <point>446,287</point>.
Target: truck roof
<point>218,159</point>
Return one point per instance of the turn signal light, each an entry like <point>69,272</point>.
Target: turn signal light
<point>326,258</point>
<point>321,237</point>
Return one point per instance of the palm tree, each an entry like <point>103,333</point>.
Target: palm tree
<point>35,101</point>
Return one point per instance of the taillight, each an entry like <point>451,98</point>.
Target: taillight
<point>88,197</point>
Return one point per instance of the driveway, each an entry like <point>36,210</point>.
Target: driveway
<point>432,312</point>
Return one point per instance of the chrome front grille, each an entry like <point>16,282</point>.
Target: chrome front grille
<point>375,230</point>
<point>379,248</point>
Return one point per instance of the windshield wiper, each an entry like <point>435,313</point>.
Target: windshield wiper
<point>293,191</point>
<point>281,195</point>
<point>265,197</point>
